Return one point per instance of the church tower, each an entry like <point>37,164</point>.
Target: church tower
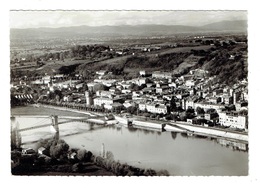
<point>89,98</point>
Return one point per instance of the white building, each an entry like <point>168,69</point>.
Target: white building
<point>101,72</point>
<point>107,94</point>
<point>189,104</point>
<point>244,95</point>
<point>172,84</point>
<point>138,81</point>
<point>108,83</point>
<point>190,83</point>
<point>233,120</point>
<point>107,102</point>
<point>99,101</point>
<point>158,74</point>
<point>142,81</point>
<point>142,73</point>
<point>153,108</point>
<point>125,85</point>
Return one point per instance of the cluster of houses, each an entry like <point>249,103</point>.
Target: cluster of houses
<point>156,92</point>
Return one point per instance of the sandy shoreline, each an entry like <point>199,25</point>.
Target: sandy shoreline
<point>30,110</point>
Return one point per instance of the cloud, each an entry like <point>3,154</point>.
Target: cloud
<point>27,19</point>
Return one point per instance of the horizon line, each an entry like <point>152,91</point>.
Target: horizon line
<point>49,27</point>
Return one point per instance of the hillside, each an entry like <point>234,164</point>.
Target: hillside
<point>228,63</point>
<point>239,25</point>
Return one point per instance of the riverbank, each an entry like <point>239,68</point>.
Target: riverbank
<point>41,110</point>
<point>214,132</point>
<point>150,149</point>
<point>173,126</point>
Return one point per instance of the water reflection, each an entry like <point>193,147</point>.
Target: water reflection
<point>91,126</point>
<point>174,135</point>
<point>184,135</point>
<point>56,136</point>
<point>232,144</point>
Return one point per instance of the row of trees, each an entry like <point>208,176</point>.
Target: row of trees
<point>124,169</point>
<point>83,51</point>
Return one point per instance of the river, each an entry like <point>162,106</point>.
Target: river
<point>177,153</point>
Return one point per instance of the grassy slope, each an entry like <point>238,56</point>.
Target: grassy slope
<point>175,59</point>
<point>52,67</point>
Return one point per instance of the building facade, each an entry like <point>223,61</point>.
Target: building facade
<point>153,108</point>
<point>233,120</point>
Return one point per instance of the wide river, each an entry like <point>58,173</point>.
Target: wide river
<point>175,152</point>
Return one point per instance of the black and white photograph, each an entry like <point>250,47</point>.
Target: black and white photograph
<point>130,93</point>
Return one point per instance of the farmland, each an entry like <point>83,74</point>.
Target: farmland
<point>125,57</point>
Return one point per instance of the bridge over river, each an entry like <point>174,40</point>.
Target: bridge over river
<point>190,130</point>
<point>170,149</point>
<point>53,121</point>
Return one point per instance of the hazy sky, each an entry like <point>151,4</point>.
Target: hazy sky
<point>35,19</point>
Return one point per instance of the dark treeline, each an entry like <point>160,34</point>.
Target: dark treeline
<point>57,156</point>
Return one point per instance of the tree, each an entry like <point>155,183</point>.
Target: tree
<point>98,87</point>
<point>172,104</point>
<point>59,149</point>
<point>200,110</point>
<point>78,167</point>
<point>190,110</point>
<point>183,116</point>
<point>15,137</point>
<point>134,87</point>
<point>57,98</point>
<point>169,117</point>
<point>211,111</point>
<point>231,107</point>
<point>85,87</point>
<point>81,154</point>
<point>109,155</point>
<point>132,109</point>
<point>243,112</point>
<point>142,86</point>
<point>14,101</point>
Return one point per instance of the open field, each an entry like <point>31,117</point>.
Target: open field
<point>184,49</point>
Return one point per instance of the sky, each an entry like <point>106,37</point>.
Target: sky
<point>36,19</point>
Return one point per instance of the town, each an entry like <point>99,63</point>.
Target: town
<point>194,96</point>
<point>129,93</point>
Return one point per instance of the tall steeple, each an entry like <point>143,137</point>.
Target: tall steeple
<point>89,98</point>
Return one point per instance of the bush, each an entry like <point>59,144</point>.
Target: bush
<point>81,154</point>
<point>78,167</point>
<point>163,173</point>
<point>88,156</point>
<point>149,172</point>
<point>59,149</point>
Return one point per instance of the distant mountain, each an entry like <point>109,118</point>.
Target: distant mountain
<point>129,30</point>
<point>238,25</point>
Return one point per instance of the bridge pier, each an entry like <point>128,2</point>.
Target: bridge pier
<point>54,120</point>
